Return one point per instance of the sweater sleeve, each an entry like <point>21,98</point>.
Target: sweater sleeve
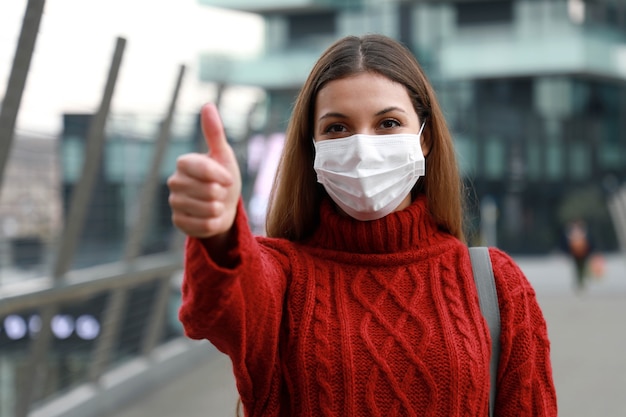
<point>524,381</point>
<point>239,308</point>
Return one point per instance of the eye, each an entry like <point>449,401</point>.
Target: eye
<point>335,128</point>
<point>390,124</point>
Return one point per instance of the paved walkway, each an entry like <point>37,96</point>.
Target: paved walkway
<point>587,331</point>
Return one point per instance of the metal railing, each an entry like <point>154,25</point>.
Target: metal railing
<point>66,337</point>
<point>17,78</point>
<point>109,285</point>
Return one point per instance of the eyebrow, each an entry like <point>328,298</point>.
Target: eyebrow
<point>379,113</point>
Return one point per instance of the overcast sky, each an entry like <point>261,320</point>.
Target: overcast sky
<point>76,42</point>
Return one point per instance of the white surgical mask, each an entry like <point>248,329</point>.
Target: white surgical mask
<point>368,176</point>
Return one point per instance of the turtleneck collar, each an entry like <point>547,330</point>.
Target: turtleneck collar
<point>402,230</point>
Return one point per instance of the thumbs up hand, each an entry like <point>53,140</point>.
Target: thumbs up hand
<point>205,188</point>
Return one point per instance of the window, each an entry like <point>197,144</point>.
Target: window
<point>73,153</point>
<point>484,12</point>
<point>610,151</point>
<point>554,166</point>
<point>533,160</point>
<point>494,158</point>
<point>306,27</point>
<point>466,154</point>
<point>579,161</point>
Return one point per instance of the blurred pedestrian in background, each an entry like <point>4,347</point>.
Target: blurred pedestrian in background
<point>578,243</point>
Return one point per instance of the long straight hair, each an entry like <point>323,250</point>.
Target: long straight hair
<point>293,210</point>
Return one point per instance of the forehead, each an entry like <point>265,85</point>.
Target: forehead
<point>360,92</point>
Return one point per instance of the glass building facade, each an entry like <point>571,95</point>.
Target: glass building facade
<point>534,92</point>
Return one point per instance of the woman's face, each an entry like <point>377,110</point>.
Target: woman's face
<point>365,103</point>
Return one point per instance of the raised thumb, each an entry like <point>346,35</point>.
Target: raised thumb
<point>213,131</point>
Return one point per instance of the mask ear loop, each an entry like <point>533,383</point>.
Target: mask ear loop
<point>419,134</point>
<point>418,185</point>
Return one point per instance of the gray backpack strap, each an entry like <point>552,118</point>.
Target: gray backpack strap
<point>488,297</point>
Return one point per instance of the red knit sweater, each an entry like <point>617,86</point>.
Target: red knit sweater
<point>375,318</point>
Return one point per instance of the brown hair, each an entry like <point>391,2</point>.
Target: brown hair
<point>293,211</point>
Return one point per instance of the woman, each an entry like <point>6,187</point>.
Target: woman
<point>360,301</point>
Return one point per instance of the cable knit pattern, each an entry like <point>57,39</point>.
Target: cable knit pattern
<point>322,349</point>
<point>376,318</point>
<point>397,343</point>
<point>453,299</point>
